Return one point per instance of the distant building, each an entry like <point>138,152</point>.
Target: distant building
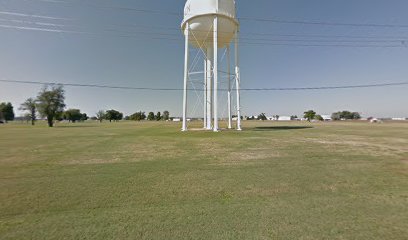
<point>326,117</point>
<point>284,118</point>
<point>399,119</point>
<point>176,119</point>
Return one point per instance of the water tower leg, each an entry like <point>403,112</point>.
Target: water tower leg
<point>209,87</point>
<point>215,27</point>
<point>205,89</point>
<point>186,59</point>
<point>229,87</point>
<point>238,82</point>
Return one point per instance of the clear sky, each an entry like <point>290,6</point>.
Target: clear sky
<point>103,55</point>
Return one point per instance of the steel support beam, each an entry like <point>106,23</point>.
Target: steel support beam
<point>186,60</point>
<point>237,81</point>
<point>215,73</point>
<point>229,86</point>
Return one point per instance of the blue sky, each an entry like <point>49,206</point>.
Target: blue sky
<point>106,57</point>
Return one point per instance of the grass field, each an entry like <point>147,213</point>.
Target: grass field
<point>150,181</point>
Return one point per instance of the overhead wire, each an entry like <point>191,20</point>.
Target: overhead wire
<point>244,18</point>
<point>247,42</point>
<point>401,42</point>
<point>180,89</point>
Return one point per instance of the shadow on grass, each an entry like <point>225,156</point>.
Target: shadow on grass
<point>280,128</point>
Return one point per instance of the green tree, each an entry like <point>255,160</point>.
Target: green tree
<point>158,116</point>
<point>100,115</point>
<point>84,117</point>
<point>113,115</point>
<point>150,117</point>
<point>356,116</point>
<point>166,115</point>
<point>310,115</point>
<point>7,111</point>
<point>139,116</point>
<point>336,116</point>
<point>294,117</point>
<point>30,105</point>
<point>346,115</point>
<point>51,103</point>
<point>319,118</point>
<point>72,115</point>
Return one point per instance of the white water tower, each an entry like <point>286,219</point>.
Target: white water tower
<point>210,25</point>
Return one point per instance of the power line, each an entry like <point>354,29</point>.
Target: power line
<point>303,22</point>
<point>245,18</point>
<point>45,24</point>
<point>248,42</point>
<point>18,14</point>
<point>180,89</point>
<point>401,39</point>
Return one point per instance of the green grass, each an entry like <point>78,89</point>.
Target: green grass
<point>150,181</point>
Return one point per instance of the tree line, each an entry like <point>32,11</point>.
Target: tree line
<point>113,115</point>
<point>50,105</point>
<point>311,115</point>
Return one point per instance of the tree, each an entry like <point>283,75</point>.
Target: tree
<point>310,115</point>
<point>113,115</point>
<point>294,117</point>
<point>262,117</point>
<point>50,103</point>
<point>336,116</point>
<point>166,115</point>
<point>235,116</point>
<point>346,115</point>
<point>139,116</point>
<point>158,116</point>
<point>30,105</point>
<point>7,111</point>
<point>100,115</point>
<point>84,117</point>
<point>150,117</point>
<point>356,115</point>
<point>72,115</point>
<point>319,118</point>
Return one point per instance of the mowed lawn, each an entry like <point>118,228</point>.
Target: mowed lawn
<point>150,181</point>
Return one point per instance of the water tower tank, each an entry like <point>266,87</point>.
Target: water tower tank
<point>200,16</point>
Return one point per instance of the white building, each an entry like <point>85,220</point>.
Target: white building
<point>398,119</point>
<point>284,118</point>
<point>326,117</point>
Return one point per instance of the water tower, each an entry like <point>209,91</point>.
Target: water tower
<point>211,25</point>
